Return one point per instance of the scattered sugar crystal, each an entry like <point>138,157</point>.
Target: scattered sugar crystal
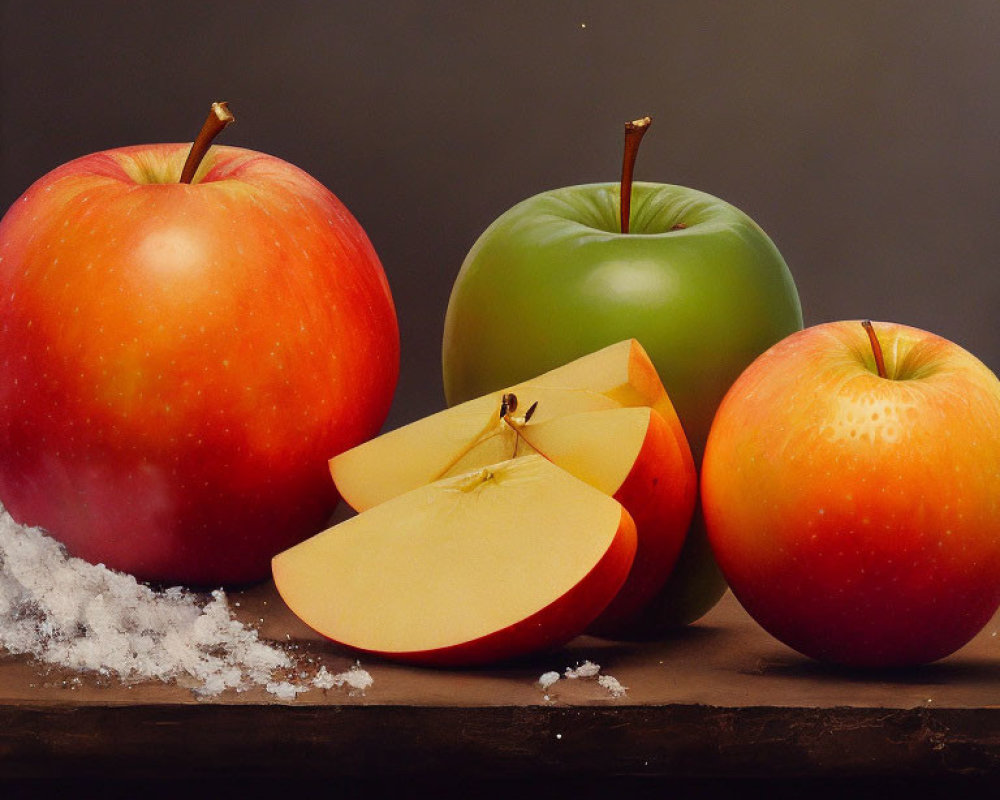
<point>548,678</point>
<point>284,690</point>
<point>615,689</point>
<point>68,613</point>
<point>355,678</point>
<point>588,669</point>
<point>323,679</point>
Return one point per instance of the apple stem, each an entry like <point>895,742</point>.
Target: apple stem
<point>876,347</point>
<point>634,131</point>
<point>219,116</point>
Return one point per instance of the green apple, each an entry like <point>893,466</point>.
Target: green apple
<point>695,280</point>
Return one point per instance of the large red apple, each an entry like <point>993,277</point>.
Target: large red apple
<point>178,361</point>
<point>851,489</point>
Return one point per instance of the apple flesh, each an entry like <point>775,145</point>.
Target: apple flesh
<point>461,438</point>
<point>481,567</point>
<point>619,375</point>
<point>856,516</point>
<point>621,371</point>
<point>179,361</point>
<point>632,453</point>
<point>696,281</point>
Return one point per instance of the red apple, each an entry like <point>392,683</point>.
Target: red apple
<point>851,489</point>
<point>179,361</point>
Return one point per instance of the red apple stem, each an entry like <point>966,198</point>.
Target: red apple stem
<point>634,131</point>
<point>219,116</point>
<point>876,347</point>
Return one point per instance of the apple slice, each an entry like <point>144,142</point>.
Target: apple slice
<point>630,453</point>
<point>514,558</point>
<point>621,371</point>
<point>433,446</point>
<point>633,455</point>
<point>618,375</point>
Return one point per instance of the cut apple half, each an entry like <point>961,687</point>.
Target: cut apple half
<point>632,453</point>
<point>515,558</point>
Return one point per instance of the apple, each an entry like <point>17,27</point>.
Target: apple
<point>179,360</point>
<point>851,488</point>
<point>691,277</point>
<point>581,418</point>
<point>616,376</point>
<point>481,567</point>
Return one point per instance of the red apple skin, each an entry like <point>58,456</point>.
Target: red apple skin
<point>659,493</point>
<point>180,361</point>
<point>857,518</point>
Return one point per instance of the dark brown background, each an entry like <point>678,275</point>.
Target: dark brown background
<point>863,136</point>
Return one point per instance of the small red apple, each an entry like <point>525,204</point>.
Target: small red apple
<point>851,489</point>
<point>178,361</point>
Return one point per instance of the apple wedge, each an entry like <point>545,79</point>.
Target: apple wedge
<point>512,559</point>
<point>621,371</point>
<point>618,375</point>
<point>632,453</point>
<point>440,445</point>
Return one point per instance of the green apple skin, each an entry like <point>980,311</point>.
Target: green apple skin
<point>696,281</point>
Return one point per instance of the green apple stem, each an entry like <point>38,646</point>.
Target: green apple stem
<point>876,347</point>
<point>634,131</point>
<point>218,118</point>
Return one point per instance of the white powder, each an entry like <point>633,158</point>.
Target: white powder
<point>68,613</point>
<point>547,679</point>
<point>355,679</point>
<point>588,669</point>
<point>615,689</point>
<point>285,690</point>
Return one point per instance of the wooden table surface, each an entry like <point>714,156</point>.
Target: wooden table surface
<point>720,700</point>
